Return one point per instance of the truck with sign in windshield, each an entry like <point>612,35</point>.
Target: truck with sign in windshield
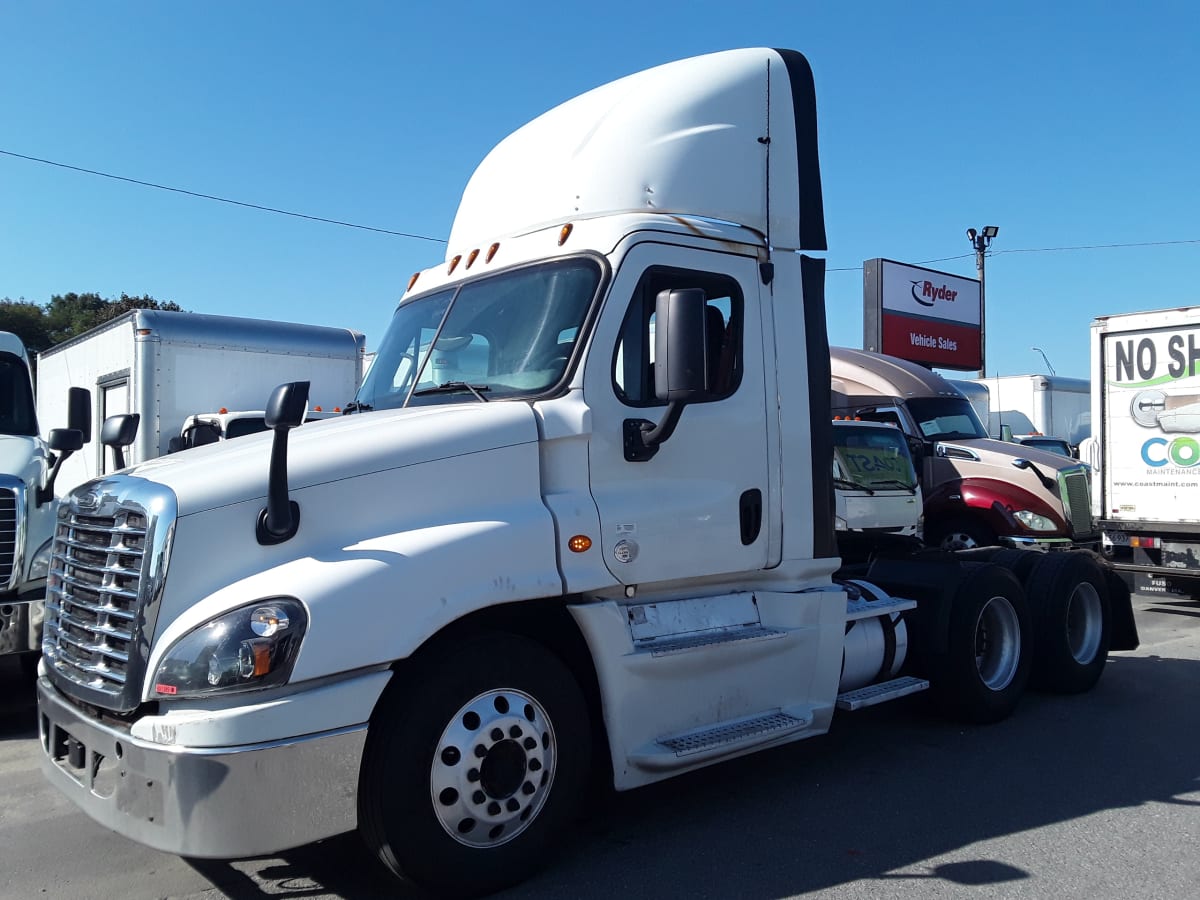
<point>977,491</point>
<point>1146,399</point>
<point>592,537</point>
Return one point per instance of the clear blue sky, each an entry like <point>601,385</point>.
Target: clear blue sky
<point>1064,123</point>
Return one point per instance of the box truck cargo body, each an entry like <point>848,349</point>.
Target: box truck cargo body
<point>1147,401</point>
<point>1052,405</point>
<point>166,366</point>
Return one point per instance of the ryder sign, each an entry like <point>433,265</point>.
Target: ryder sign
<point>921,315</point>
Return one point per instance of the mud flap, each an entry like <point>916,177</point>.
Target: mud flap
<point>1123,633</point>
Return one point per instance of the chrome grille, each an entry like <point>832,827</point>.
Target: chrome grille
<point>92,598</point>
<point>107,572</point>
<point>1079,502</point>
<point>10,534</point>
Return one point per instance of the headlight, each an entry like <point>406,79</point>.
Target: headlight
<point>247,649</point>
<point>840,524</point>
<point>1033,521</point>
<point>39,566</point>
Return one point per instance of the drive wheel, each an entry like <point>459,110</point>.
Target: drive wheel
<point>985,667</point>
<point>1070,600</point>
<point>963,534</point>
<point>475,765</point>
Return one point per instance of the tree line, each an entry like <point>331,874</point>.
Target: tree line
<point>42,325</point>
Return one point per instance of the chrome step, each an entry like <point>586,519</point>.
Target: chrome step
<point>862,608</point>
<point>689,747</point>
<point>665,646</point>
<point>874,694</point>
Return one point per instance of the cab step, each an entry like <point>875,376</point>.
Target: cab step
<point>874,694</point>
<point>861,608</point>
<point>665,646</point>
<point>725,738</point>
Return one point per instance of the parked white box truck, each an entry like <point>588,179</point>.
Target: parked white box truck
<point>165,366</point>
<point>574,557</point>
<point>1051,405</point>
<point>1146,398</point>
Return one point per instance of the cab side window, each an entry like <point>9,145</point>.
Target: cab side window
<point>633,359</point>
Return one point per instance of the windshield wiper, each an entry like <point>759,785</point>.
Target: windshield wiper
<point>851,485</point>
<point>354,406</point>
<point>451,387</point>
<point>895,482</point>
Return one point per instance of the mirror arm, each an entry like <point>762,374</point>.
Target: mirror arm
<point>642,438</point>
<point>46,493</point>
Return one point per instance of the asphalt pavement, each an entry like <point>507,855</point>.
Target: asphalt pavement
<point>1092,796</point>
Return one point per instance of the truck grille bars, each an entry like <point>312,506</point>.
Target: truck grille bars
<point>1079,503</point>
<point>10,508</point>
<point>102,594</point>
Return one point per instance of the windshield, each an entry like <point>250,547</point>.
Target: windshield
<point>872,458</point>
<point>1050,444</point>
<point>17,414</point>
<point>503,337</point>
<point>945,418</point>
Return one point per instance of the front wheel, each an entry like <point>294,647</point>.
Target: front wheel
<point>475,765</point>
<point>962,534</point>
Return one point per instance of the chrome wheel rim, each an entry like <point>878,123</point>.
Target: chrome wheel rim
<point>493,768</point>
<point>997,643</point>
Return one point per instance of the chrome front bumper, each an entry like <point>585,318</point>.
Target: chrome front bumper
<point>219,802</point>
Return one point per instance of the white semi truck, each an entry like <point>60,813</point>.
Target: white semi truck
<point>29,471</point>
<point>1146,399</point>
<point>166,366</point>
<point>583,554</point>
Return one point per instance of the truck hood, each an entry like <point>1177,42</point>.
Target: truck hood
<point>1002,453</point>
<point>22,457</point>
<point>232,471</point>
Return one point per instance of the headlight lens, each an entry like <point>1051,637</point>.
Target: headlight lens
<point>1033,521</point>
<point>39,566</point>
<point>250,648</point>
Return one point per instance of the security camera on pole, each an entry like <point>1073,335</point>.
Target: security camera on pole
<point>981,241</point>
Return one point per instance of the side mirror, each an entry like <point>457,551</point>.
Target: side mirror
<point>175,444</point>
<point>680,345</point>
<point>79,411</point>
<point>287,406</point>
<point>1006,432</point>
<point>118,432</point>
<point>64,442</point>
<point>280,519</point>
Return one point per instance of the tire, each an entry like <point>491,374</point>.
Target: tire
<point>983,671</point>
<point>963,534</point>
<point>475,764</point>
<point>1069,595</point>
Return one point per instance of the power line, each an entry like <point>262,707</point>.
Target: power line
<point>1040,250</point>
<point>282,212</point>
<point>424,237</point>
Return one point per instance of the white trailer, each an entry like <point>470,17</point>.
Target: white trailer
<point>1053,405</point>
<point>1146,367</point>
<point>166,366</point>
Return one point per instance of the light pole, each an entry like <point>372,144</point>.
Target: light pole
<point>981,240</point>
<point>1045,359</point>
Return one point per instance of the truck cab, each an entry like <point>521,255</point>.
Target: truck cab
<point>877,495</point>
<point>28,468</point>
<point>977,491</point>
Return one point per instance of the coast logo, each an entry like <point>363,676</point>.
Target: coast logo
<point>926,294</point>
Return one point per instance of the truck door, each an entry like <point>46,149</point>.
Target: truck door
<point>698,506</point>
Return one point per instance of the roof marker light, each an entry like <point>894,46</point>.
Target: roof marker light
<point>564,233</point>
<point>453,264</point>
<point>491,252</point>
<point>471,257</point>
<point>412,281</point>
